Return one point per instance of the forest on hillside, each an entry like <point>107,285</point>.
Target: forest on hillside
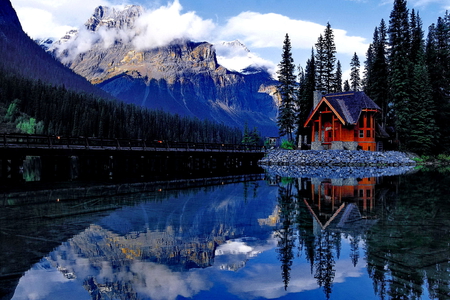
<point>405,73</point>
<point>37,108</point>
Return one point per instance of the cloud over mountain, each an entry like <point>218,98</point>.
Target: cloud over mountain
<point>160,24</point>
<point>159,27</point>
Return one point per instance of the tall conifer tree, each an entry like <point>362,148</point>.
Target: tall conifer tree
<point>330,59</point>
<point>379,85</point>
<point>422,128</point>
<point>355,78</point>
<point>325,61</point>
<point>438,62</point>
<point>338,78</point>
<point>286,89</point>
<point>306,96</point>
<point>400,70</point>
<point>320,59</point>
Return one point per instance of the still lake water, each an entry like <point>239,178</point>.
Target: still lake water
<point>253,237</point>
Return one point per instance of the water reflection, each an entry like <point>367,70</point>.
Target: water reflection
<point>319,238</point>
<point>315,215</point>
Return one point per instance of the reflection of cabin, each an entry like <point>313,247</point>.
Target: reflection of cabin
<point>341,201</point>
<point>343,121</point>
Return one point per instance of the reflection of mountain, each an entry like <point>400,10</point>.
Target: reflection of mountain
<point>193,245</point>
<point>117,256</point>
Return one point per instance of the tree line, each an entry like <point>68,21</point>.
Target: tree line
<point>36,107</point>
<point>406,74</point>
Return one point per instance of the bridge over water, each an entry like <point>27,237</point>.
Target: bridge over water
<point>59,157</point>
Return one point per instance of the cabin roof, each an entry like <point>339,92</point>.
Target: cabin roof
<point>347,106</point>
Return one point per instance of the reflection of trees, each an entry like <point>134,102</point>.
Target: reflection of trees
<point>324,261</point>
<point>410,244</point>
<point>296,226</point>
<point>285,234</point>
<point>313,220</point>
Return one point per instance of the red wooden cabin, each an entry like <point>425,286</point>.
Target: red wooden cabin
<point>343,121</point>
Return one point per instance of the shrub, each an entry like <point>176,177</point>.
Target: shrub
<point>287,145</point>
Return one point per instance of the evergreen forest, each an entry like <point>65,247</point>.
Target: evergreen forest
<point>34,107</point>
<point>406,72</point>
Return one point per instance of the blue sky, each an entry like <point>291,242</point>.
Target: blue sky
<point>259,24</point>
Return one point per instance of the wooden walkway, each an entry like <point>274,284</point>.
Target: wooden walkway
<point>88,157</point>
<point>25,141</point>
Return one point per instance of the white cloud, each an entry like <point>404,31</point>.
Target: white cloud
<point>161,26</point>
<point>53,18</point>
<point>268,30</point>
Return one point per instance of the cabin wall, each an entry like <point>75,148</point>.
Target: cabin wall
<point>329,133</point>
<point>365,132</point>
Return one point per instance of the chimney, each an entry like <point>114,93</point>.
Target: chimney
<point>317,98</point>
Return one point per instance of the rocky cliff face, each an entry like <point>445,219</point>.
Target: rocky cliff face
<point>183,77</point>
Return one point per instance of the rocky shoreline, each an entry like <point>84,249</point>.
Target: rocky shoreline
<point>346,158</point>
<point>333,172</point>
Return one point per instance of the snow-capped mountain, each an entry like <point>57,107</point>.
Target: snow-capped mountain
<point>182,76</point>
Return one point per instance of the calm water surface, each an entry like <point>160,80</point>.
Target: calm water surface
<point>272,238</point>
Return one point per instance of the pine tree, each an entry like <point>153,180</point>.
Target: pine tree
<point>438,63</point>
<point>354,74</point>
<point>400,70</point>
<point>320,59</point>
<point>346,86</point>
<point>338,79</point>
<point>422,129</point>
<point>286,89</point>
<point>307,86</point>
<point>325,61</point>
<point>330,59</point>
<point>377,87</point>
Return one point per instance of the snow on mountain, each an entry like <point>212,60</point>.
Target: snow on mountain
<point>236,56</point>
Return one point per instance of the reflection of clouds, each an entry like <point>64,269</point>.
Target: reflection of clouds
<point>233,247</point>
<point>253,277</point>
<point>234,253</point>
<point>44,282</point>
<point>264,280</point>
<point>160,283</point>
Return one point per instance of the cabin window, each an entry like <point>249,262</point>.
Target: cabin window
<point>368,133</point>
<point>361,193</point>
<point>361,133</point>
<point>368,193</point>
<point>361,121</point>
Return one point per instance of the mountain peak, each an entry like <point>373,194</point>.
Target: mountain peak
<point>236,44</point>
<point>112,18</point>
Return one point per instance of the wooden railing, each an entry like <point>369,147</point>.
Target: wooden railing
<point>92,143</point>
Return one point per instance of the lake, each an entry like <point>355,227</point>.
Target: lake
<point>260,236</point>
